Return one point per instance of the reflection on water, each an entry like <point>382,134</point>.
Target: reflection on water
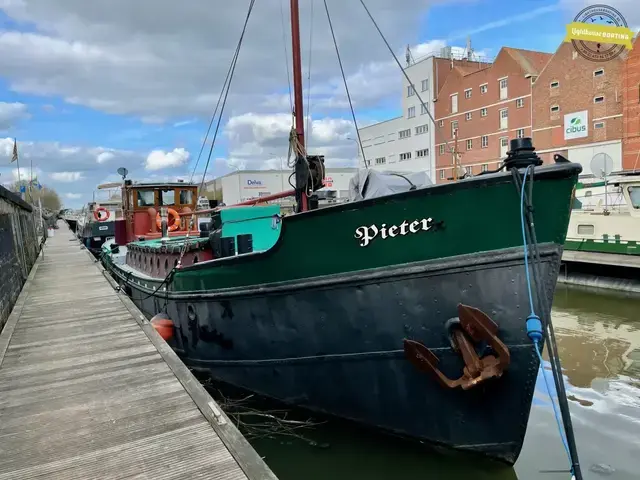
<point>599,342</point>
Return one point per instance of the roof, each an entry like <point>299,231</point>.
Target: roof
<point>530,61</point>
<point>164,185</point>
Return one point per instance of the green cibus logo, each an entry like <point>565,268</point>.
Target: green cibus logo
<point>576,126</point>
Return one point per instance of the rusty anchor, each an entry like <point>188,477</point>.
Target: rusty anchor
<point>474,326</point>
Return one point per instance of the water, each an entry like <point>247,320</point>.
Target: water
<point>599,342</point>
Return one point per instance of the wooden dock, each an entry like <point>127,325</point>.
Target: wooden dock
<point>89,390</point>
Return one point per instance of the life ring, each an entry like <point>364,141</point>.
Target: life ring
<point>171,225</point>
<point>100,218</point>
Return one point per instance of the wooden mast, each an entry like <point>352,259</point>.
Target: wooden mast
<point>298,108</point>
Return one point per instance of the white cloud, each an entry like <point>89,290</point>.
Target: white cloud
<point>11,113</point>
<point>59,165</point>
<point>67,176</point>
<point>73,196</point>
<point>117,58</point>
<point>159,159</point>
<point>104,157</point>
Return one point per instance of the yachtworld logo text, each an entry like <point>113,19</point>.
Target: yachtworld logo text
<point>576,126</point>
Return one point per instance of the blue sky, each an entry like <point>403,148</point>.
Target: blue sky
<point>54,118</point>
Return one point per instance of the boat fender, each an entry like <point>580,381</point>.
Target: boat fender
<point>163,325</point>
<point>173,225</point>
<point>101,218</point>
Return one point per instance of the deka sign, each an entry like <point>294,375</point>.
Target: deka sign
<point>576,125</point>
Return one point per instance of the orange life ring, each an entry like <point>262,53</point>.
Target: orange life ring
<point>171,225</point>
<point>98,217</point>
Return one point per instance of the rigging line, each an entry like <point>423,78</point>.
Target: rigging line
<point>426,107</point>
<point>344,79</point>
<point>213,117</point>
<point>286,57</point>
<point>224,101</point>
<point>306,137</point>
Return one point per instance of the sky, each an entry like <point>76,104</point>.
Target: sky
<point>87,87</point>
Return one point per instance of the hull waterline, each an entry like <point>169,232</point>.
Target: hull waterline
<point>337,348</point>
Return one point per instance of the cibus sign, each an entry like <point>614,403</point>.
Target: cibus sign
<point>576,125</point>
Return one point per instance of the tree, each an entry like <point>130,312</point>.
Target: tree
<point>49,197</point>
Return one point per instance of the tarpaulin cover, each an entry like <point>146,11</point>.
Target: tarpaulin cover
<point>369,183</point>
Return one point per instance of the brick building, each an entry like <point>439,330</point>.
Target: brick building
<point>631,109</point>
<point>577,108</point>
<point>487,107</point>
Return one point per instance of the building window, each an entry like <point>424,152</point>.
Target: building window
<point>404,133</point>
<point>441,123</point>
<point>503,89</point>
<point>520,133</point>
<point>411,112</point>
<point>454,127</point>
<point>454,103</point>
<point>468,116</point>
<point>411,91</point>
<point>381,161</point>
<point>554,108</point>
<point>423,109</point>
<point>598,125</point>
<point>504,119</point>
<point>405,156</point>
<point>599,72</point>
<point>467,170</point>
<point>441,174</point>
<point>520,103</point>
<point>420,129</point>
<point>484,141</point>
<point>422,153</point>
<point>425,85</point>
<point>441,149</point>
<point>483,112</point>
<point>469,144</point>
<point>484,88</point>
<point>599,99</point>
<point>554,84</point>
<point>484,167</point>
<point>467,93</point>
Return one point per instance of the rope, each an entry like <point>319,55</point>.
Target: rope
<point>534,325</point>
<point>433,120</point>
<point>346,86</point>
<point>286,56</point>
<point>307,137</point>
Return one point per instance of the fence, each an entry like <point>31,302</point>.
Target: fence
<point>22,234</point>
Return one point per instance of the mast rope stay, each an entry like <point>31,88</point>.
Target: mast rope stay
<point>395,57</point>
<point>534,324</point>
<point>286,57</point>
<point>346,86</point>
<point>308,111</point>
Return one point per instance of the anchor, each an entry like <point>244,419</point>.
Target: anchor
<point>474,326</point>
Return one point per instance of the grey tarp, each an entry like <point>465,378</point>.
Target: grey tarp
<point>368,183</point>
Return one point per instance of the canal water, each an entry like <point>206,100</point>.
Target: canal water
<point>598,338</point>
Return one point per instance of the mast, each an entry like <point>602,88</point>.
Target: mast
<point>301,174</point>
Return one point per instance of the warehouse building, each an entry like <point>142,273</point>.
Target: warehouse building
<point>242,185</point>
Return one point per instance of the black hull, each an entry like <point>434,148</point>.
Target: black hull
<point>337,348</point>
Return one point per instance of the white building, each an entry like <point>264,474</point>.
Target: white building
<point>242,185</point>
<point>405,144</point>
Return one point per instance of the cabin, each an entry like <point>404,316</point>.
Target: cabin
<point>142,204</point>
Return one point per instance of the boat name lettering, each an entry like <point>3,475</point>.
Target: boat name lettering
<point>367,234</point>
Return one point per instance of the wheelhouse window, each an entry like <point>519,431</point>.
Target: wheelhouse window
<point>634,195</point>
<point>146,198</point>
<point>186,197</point>
<point>167,197</point>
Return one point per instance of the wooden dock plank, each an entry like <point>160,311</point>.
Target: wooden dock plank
<point>88,389</point>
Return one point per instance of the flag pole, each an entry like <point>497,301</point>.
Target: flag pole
<point>17,160</point>
<point>31,180</point>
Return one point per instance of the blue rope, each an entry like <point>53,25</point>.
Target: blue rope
<point>534,325</point>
